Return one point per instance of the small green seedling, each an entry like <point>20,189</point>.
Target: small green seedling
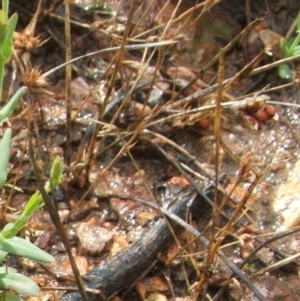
<point>290,48</point>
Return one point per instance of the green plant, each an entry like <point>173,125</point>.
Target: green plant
<point>11,244</point>
<point>13,283</point>
<point>290,48</point>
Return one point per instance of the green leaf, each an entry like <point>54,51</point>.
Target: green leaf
<point>2,31</point>
<point>19,283</point>
<point>1,58</point>
<point>8,41</point>
<point>2,255</point>
<point>35,202</point>
<point>2,18</point>
<point>5,145</point>
<point>284,47</point>
<point>8,269</point>
<point>285,72</point>
<point>296,50</point>
<point>290,42</point>
<point>9,231</point>
<point>11,105</point>
<point>298,24</point>
<point>5,4</point>
<point>10,297</point>
<point>24,248</point>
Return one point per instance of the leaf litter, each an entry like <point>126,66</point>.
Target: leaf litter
<point>123,159</point>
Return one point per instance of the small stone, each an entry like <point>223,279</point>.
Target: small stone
<point>141,290</point>
<point>140,110</point>
<point>44,239</point>
<point>266,256</point>
<point>134,234</point>
<point>93,238</point>
<point>156,297</point>
<point>139,177</point>
<point>28,264</point>
<point>144,218</point>
<point>156,285</point>
<point>59,247</point>
<point>41,281</point>
<point>82,265</point>
<point>80,212</point>
<point>235,290</point>
<point>63,214</point>
<point>121,206</point>
<point>180,181</point>
<point>118,245</point>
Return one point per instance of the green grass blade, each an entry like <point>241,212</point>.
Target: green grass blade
<point>8,41</point>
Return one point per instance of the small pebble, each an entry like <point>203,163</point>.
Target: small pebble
<point>156,284</point>
<point>156,297</point>
<point>28,264</point>
<point>144,218</point>
<point>118,245</point>
<point>44,239</point>
<point>41,281</point>
<point>93,238</point>
<point>80,212</point>
<point>82,265</point>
